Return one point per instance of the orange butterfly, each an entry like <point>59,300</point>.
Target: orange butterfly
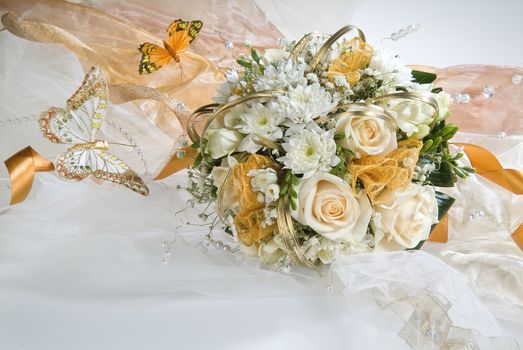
<point>181,34</point>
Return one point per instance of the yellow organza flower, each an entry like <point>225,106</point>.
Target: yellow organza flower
<point>248,221</point>
<point>382,176</point>
<point>356,55</point>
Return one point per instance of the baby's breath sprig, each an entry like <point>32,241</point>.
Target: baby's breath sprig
<point>287,188</point>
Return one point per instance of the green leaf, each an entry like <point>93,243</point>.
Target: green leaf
<point>283,189</point>
<point>443,177</point>
<point>198,160</point>
<point>254,55</point>
<point>288,176</point>
<point>423,77</point>
<point>294,206</point>
<point>196,144</point>
<point>435,144</point>
<point>427,145</point>
<point>244,63</point>
<point>444,203</point>
<point>437,90</point>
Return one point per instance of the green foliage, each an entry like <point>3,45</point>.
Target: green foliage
<point>287,187</point>
<point>435,150</point>
<point>244,62</point>
<point>342,169</point>
<point>421,77</point>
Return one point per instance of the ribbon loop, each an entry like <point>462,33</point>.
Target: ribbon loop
<point>22,167</point>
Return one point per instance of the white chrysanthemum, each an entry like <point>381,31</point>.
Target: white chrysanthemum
<point>388,67</point>
<point>225,90</point>
<point>309,152</point>
<point>279,75</point>
<point>304,103</point>
<point>233,117</point>
<point>259,120</point>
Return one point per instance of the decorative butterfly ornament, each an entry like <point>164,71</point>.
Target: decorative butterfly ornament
<point>181,35</point>
<point>78,125</point>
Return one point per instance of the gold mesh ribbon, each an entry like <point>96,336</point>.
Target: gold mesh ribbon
<point>356,56</point>
<point>248,221</point>
<point>382,176</point>
<point>489,167</point>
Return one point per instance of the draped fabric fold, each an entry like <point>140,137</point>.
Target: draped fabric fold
<point>486,165</point>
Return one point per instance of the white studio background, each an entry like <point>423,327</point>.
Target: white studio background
<point>452,32</point>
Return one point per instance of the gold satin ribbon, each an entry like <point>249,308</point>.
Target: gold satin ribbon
<point>176,164</point>
<point>22,167</point>
<point>486,165</point>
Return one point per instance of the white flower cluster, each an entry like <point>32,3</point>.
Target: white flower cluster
<point>318,125</point>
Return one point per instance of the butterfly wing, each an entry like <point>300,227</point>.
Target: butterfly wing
<point>153,58</point>
<point>85,112</point>
<point>182,33</point>
<point>77,164</point>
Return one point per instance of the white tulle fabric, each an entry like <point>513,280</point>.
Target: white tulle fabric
<point>80,263</point>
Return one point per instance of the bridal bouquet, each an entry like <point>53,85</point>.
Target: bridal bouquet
<point>323,148</point>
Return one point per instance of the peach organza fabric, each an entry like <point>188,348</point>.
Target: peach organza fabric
<point>114,29</point>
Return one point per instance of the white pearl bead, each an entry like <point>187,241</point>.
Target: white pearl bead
<point>501,135</point>
<point>165,244</point>
<point>247,43</point>
<point>516,79</point>
<point>229,45</point>
<point>488,91</point>
<point>465,98</point>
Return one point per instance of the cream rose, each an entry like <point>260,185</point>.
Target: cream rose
<point>222,141</point>
<point>406,219</point>
<point>366,135</point>
<point>327,204</point>
<point>414,117</point>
